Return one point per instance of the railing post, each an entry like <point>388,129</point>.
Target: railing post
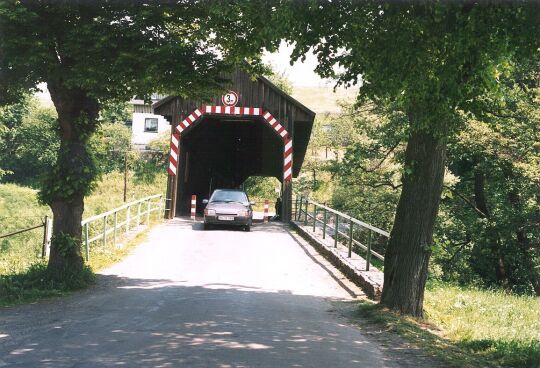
<point>336,231</point>
<point>148,213</point>
<point>324,223</point>
<point>45,237</point>
<point>350,238</point>
<point>307,209</point>
<point>314,216</point>
<point>104,231</point>
<point>299,214</point>
<point>86,242</point>
<point>114,231</point>
<point>128,218</point>
<point>160,205</point>
<point>295,206</point>
<point>368,255</point>
<point>139,214</point>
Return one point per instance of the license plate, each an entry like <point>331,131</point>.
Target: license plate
<point>226,218</point>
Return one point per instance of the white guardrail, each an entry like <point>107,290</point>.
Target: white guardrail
<point>115,219</point>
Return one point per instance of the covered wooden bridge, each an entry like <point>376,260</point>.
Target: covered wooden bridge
<point>253,129</point>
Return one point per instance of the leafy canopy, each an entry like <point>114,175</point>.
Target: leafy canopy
<point>112,50</point>
<point>431,58</point>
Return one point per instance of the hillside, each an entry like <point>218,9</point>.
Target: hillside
<point>324,99</point>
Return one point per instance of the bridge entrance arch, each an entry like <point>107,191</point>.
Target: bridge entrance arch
<point>218,146</point>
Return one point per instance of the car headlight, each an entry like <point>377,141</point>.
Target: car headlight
<point>208,212</point>
<point>243,213</point>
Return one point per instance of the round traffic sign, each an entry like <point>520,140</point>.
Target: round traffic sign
<point>230,98</point>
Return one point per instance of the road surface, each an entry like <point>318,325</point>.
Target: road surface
<point>193,298</point>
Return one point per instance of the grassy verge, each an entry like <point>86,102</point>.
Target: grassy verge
<point>498,326</point>
<point>38,283</point>
<point>35,283</point>
<point>467,327</point>
<point>20,209</point>
<point>23,274</point>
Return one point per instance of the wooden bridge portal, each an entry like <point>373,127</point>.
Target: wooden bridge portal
<point>253,129</point>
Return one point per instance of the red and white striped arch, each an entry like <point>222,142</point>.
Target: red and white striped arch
<point>229,110</point>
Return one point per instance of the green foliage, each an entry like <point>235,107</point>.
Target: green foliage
<point>28,142</point>
<point>73,175</point>
<point>39,282</point>
<point>445,56</point>
<point>115,113</point>
<point>114,50</point>
<point>260,188</point>
<point>97,53</point>
<point>109,145</point>
<point>152,163</point>
<point>436,64</point>
<point>469,245</point>
<point>65,243</point>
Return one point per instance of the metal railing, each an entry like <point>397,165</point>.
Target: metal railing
<point>111,222</point>
<point>341,224</point>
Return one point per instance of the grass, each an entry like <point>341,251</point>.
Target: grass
<point>467,327</point>
<point>501,327</point>
<point>37,282</point>
<point>23,274</point>
<point>19,209</point>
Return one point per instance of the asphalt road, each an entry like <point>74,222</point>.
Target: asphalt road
<point>193,298</point>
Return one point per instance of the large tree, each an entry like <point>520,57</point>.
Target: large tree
<point>435,61</point>
<point>92,53</point>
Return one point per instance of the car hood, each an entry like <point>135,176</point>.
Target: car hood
<point>231,207</point>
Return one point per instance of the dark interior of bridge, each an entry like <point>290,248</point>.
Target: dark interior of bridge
<point>222,152</point>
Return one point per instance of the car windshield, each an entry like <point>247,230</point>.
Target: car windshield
<point>229,196</point>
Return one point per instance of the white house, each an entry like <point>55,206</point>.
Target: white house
<point>145,125</point>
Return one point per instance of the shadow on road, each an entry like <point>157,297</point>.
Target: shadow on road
<point>163,323</point>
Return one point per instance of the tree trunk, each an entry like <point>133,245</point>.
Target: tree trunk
<point>525,245</point>
<point>67,218</point>
<point>72,176</point>
<point>492,236</point>
<point>409,248</point>
<point>480,193</point>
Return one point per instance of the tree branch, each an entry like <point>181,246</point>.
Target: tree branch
<point>468,201</point>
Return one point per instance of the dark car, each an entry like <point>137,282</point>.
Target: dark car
<point>228,207</point>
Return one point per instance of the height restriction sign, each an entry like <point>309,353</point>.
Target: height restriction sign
<point>230,98</point>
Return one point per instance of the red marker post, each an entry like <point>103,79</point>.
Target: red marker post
<point>193,206</point>
<point>265,219</point>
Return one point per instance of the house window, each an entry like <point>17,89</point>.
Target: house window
<point>150,125</point>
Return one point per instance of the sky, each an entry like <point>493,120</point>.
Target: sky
<point>301,74</point>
